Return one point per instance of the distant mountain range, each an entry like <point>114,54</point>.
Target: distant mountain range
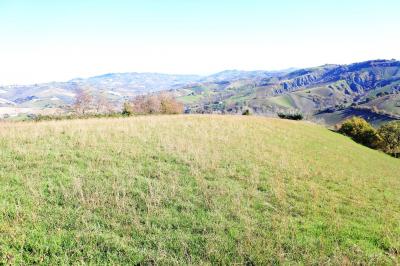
<point>116,86</point>
<point>327,93</point>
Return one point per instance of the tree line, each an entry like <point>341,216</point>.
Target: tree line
<point>159,103</point>
<point>87,104</point>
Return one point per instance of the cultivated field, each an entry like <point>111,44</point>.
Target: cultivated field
<point>194,190</point>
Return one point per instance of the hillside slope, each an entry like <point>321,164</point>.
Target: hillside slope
<point>324,91</point>
<point>327,94</point>
<point>194,190</point>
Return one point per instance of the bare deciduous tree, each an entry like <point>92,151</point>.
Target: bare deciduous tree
<point>102,104</point>
<point>170,105</point>
<point>83,101</point>
<point>162,103</point>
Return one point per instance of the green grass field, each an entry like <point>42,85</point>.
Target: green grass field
<point>188,99</point>
<point>194,190</point>
<point>285,101</point>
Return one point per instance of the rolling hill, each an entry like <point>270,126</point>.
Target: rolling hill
<point>326,94</point>
<point>195,190</point>
<point>116,87</point>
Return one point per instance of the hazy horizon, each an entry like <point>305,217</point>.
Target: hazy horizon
<point>45,41</point>
<point>189,74</point>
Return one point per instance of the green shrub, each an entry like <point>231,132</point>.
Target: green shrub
<point>390,135</point>
<point>291,116</point>
<point>360,131</point>
<point>246,112</point>
<point>127,109</point>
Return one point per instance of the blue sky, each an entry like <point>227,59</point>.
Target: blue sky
<point>45,40</point>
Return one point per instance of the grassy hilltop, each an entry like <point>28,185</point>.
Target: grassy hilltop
<point>194,190</point>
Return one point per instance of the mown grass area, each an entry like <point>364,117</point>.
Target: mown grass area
<point>194,190</point>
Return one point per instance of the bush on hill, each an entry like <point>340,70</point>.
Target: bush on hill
<point>127,109</point>
<point>360,131</point>
<point>291,116</point>
<point>246,112</point>
<point>390,136</point>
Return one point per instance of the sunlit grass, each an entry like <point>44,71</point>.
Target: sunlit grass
<point>194,190</point>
